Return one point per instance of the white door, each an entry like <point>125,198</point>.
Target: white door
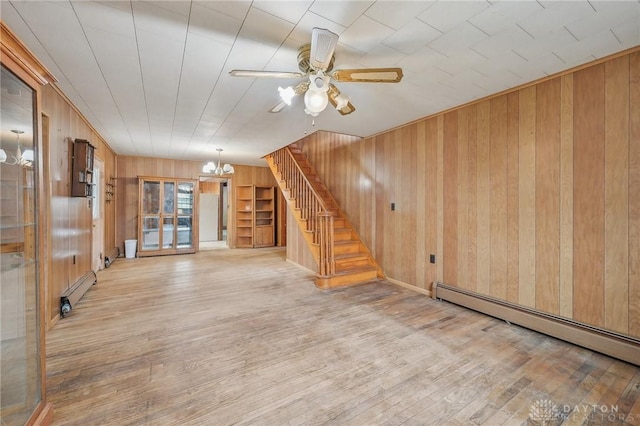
<point>97,258</point>
<point>208,226</point>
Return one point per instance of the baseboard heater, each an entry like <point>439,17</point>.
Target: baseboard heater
<point>70,297</point>
<point>111,257</point>
<point>609,343</point>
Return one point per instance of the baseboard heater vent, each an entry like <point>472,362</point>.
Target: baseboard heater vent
<point>111,257</point>
<point>70,297</point>
<point>609,343</point>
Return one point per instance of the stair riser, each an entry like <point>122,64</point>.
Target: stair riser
<point>348,279</point>
<point>346,248</point>
<point>343,265</point>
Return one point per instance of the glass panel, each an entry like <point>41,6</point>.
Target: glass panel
<point>169,197</point>
<point>185,198</point>
<point>19,322</point>
<point>167,232</point>
<point>150,233</point>
<point>185,234</point>
<point>151,197</point>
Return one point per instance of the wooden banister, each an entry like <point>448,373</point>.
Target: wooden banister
<point>312,207</point>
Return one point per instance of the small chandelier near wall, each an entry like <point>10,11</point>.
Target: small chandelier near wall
<point>24,159</point>
<point>219,170</point>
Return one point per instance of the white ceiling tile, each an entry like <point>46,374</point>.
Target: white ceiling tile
<point>458,39</point>
<point>291,11</point>
<point>381,56</point>
<point>628,33</point>
<point>502,42</point>
<point>234,8</point>
<point>397,14</point>
<point>543,45</point>
<point>365,33</point>
<point>459,63</point>
<point>177,7</point>
<point>447,15</point>
<point>551,64</point>
<point>344,13</point>
<point>556,16</point>
<point>105,18</point>
<point>502,15</point>
<point>609,15</point>
<point>414,35</point>
<point>159,21</point>
<point>265,28</point>
<point>421,60</point>
<point>213,24</point>
<point>123,6</point>
<point>596,45</point>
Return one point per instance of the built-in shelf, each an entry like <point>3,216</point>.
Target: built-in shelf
<point>254,216</point>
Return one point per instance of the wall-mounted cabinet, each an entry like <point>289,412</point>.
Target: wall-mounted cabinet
<point>82,169</point>
<point>167,216</point>
<point>255,207</point>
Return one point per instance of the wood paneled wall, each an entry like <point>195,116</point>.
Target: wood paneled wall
<point>129,168</point>
<point>532,196</point>
<point>70,222</point>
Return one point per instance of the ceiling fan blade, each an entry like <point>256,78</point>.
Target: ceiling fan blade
<point>368,75</point>
<point>279,106</point>
<point>323,44</point>
<point>269,74</point>
<point>333,100</point>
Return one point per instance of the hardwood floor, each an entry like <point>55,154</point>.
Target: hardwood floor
<point>243,337</point>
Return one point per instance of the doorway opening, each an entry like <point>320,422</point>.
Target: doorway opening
<point>213,214</point>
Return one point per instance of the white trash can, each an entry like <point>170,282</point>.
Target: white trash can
<point>130,248</point>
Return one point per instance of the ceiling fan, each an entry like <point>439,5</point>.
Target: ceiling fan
<point>315,61</point>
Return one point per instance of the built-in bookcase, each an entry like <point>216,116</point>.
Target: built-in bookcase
<point>254,216</point>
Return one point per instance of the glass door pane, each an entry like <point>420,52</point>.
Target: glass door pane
<point>151,233</point>
<point>169,198</point>
<point>151,197</point>
<point>167,233</point>
<point>185,232</point>
<point>185,198</point>
<point>19,322</point>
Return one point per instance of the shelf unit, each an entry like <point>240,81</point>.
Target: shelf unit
<point>82,177</point>
<point>110,190</point>
<point>255,216</point>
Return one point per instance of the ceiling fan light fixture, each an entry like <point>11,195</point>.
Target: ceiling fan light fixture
<point>341,101</point>
<point>315,102</point>
<point>287,94</point>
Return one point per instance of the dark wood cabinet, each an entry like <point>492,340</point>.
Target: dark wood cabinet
<point>82,177</point>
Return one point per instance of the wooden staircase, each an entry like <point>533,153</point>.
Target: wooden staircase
<point>341,256</point>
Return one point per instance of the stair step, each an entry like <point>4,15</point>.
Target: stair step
<point>341,234</point>
<point>348,277</point>
<point>350,261</point>
<point>347,246</point>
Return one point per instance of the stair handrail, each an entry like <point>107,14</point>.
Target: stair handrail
<point>313,208</point>
<point>313,190</point>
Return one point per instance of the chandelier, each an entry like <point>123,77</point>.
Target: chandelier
<point>219,170</point>
<point>24,159</point>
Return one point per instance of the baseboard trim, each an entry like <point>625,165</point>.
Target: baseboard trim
<point>607,342</point>
<point>314,273</point>
<point>409,286</point>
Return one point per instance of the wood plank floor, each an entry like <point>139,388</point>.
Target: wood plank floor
<point>243,337</point>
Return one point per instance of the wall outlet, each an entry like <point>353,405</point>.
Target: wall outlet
<point>432,258</point>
